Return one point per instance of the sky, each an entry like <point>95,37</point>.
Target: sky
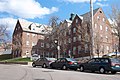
<point>39,11</point>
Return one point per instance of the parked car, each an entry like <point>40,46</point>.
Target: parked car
<point>65,63</point>
<point>102,65</point>
<point>34,57</point>
<point>44,62</point>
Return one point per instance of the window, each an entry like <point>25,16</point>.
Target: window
<point>86,47</point>
<point>79,37</point>
<point>65,41</point>
<point>74,50</point>
<point>76,20</point>
<point>100,27</point>
<point>103,19</point>
<point>65,33</point>
<point>47,45</point>
<point>27,42</point>
<point>107,48</point>
<point>95,25</point>
<point>106,28</point>
<point>33,35</point>
<point>98,17</point>
<point>28,34</point>
<point>33,43</point>
<point>79,48</point>
<point>107,38</point>
<point>42,44</point>
<point>74,39</point>
<point>69,32</point>
<point>69,40</point>
<point>74,30</point>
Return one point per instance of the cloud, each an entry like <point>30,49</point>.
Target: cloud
<point>9,22</point>
<point>77,1</point>
<point>25,8</point>
<point>101,5</point>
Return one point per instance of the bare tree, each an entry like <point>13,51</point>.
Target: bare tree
<point>4,33</point>
<point>115,17</point>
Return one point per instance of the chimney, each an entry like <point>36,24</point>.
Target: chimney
<point>72,15</point>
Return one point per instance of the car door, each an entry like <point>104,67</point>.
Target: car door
<point>37,62</point>
<point>89,64</point>
<point>62,62</point>
<point>56,63</point>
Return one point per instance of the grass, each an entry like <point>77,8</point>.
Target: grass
<point>18,60</point>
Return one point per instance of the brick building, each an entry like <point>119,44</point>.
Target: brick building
<point>26,35</point>
<point>79,36</point>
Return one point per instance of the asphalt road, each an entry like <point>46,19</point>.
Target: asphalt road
<point>21,72</point>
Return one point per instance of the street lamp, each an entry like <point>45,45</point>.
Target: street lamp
<point>57,47</point>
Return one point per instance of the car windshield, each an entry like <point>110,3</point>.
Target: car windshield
<point>115,60</point>
<point>51,59</point>
<point>70,59</point>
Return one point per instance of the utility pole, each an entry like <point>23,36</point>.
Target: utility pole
<point>92,25</point>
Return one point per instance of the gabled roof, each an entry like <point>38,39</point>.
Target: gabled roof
<point>33,27</point>
<point>86,16</point>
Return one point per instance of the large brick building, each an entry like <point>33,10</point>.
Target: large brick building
<point>75,37</point>
<point>26,35</point>
<point>81,42</point>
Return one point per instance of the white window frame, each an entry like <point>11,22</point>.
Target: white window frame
<point>69,40</point>
<point>74,30</point>
<point>42,44</point>
<point>74,39</point>
<point>101,27</point>
<point>27,42</point>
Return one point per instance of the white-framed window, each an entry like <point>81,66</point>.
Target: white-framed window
<point>69,32</point>
<point>42,44</point>
<point>79,37</point>
<point>107,47</point>
<point>33,35</point>
<point>47,45</point>
<point>74,50</point>
<point>86,47</point>
<point>103,19</point>
<point>95,25</point>
<point>65,33</point>
<point>65,41</point>
<point>107,38</point>
<point>74,30</point>
<point>74,39</point>
<point>33,43</point>
<point>106,28</point>
<point>76,20</point>
<point>69,40</point>
<point>100,27</point>
<point>27,42</point>
<point>98,17</point>
<point>79,48</point>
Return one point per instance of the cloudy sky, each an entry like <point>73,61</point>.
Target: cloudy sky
<point>39,11</point>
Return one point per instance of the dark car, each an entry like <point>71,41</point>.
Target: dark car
<point>102,65</point>
<point>65,63</point>
<point>44,62</point>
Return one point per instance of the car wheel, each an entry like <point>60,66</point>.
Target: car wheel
<point>64,67</point>
<point>113,72</point>
<point>33,64</point>
<point>102,70</point>
<point>81,68</point>
<point>44,65</point>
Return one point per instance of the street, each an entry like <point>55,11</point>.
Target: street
<point>24,72</point>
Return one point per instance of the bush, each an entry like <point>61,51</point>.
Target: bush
<point>5,56</point>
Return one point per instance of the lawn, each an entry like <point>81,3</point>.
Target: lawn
<point>18,60</point>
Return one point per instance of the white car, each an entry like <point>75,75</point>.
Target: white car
<point>34,57</point>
